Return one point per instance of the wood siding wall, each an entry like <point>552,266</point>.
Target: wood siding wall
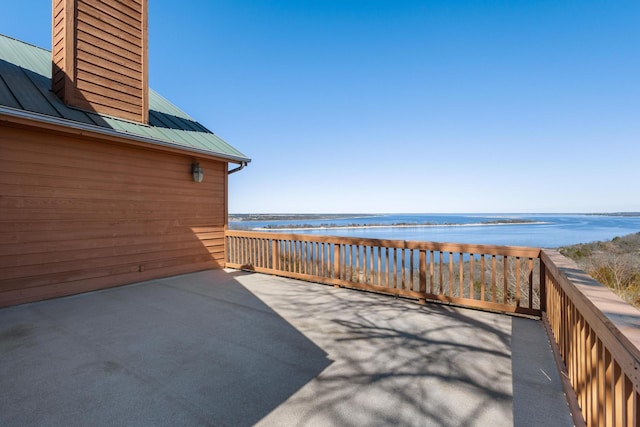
<point>77,215</point>
<point>100,56</point>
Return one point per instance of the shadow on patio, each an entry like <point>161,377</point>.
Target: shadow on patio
<point>234,348</point>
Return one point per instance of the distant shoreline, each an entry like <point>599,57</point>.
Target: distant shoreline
<point>298,217</point>
<point>330,217</point>
<point>620,214</point>
<point>293,227</point>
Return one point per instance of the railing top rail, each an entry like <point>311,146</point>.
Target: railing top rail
<point>516,251</point>
<point>615,321</point>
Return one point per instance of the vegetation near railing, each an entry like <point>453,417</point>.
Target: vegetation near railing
<point>598,339</point>
<point>501,278</point>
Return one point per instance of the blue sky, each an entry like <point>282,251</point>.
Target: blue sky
<point>404,106</point>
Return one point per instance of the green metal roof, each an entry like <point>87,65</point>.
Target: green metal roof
<point>25,83</point>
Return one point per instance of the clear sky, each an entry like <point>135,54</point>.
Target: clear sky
<point>404,106</point>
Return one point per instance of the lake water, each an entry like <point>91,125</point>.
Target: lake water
<point>548,230</point>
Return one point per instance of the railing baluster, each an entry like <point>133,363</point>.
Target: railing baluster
<point>629,402</point>
<point>593,377</point>
<point>301,255</point>
<point>274,254</point>
<point>244,251</point>
<point>505,279</point>
<point>618,395</point>
<point>518,280</point>
<point>296,256</point>
<point>395,268</point>
<point>242,259</point>
<point>584,365</point>
<point>266,253</point>
<point>379,254</point>
<point>472,284</point>
<point>461,273</point>
<point>365,264</point>
<point>351,263</point>
<point>423,272</point>
<point>306,257</point>
<point>493,278</point>
<point>313,256</point>
<point>337,261</point>
<point>602,384</point>
<point>282,255</point>
<point>431,273</point>
<point>293,245</point>
<point>403,255</point>
<point>354,248</point>
<point>411,270</point>
<point>388,270</point>
<point>482,284</point>
<point>289,256</point>
<point>441,273</point>
<point>253,252</point>
<point>372,267</point>
<point>343,259</point>
<point>451,285</point>
<point>530,282</point>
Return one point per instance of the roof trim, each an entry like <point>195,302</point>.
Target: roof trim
<point>80,127</point>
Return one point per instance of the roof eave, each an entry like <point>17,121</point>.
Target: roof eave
<point>44,121</point>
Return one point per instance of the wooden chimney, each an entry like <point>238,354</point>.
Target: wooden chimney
<point>100,56</point>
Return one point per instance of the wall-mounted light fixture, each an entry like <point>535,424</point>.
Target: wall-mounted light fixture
<point>197,171</point>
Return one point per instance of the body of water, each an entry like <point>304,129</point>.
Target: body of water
<point>545,230</point>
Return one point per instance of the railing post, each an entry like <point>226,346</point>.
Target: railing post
<point>275,256</point>
<point>227,250</point>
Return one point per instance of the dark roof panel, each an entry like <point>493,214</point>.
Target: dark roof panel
<point>7,96</point>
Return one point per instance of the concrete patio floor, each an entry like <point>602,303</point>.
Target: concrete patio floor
<point>229,348</point>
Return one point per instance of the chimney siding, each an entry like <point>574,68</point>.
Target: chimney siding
<point>100,56</point>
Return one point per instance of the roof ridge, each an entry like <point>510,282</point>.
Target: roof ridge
<point>24,42</point>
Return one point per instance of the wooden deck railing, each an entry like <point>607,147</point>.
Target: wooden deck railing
<point>598,339</point>
<point>594,334</point>
<point>501,278</point>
